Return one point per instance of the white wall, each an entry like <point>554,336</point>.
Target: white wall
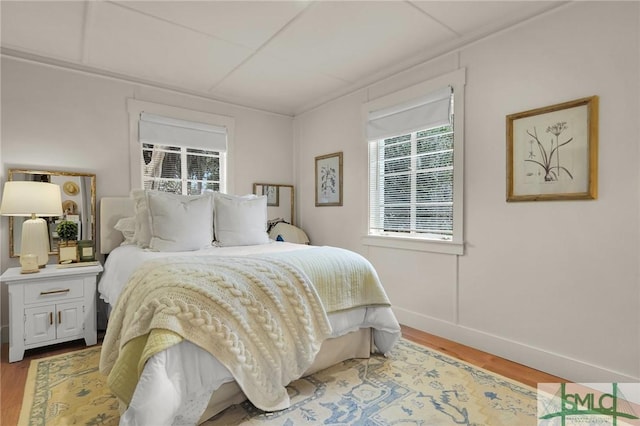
<point>553,285</point>
<point>55,119</point>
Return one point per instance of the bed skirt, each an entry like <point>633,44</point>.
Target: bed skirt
<point>357,344</point>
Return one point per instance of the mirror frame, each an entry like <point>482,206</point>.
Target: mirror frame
<point>92,176</point>
<point>255,188</point>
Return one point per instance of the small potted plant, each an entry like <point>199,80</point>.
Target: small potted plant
<point>67,248</point>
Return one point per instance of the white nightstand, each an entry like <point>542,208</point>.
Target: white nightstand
<point>51,306</point>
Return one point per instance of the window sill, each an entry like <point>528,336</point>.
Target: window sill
<point>416,244</point>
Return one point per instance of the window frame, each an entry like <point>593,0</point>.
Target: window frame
<point>136,107</point>
<point>456,80</point>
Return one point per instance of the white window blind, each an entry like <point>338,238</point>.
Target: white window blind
<point>424,112</point>
<point>181,156</point>
<point>411,168</point>
<point>157,129</point>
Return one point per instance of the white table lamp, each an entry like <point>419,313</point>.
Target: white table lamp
<point>32,199</point>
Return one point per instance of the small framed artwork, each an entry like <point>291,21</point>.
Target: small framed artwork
<point>67,253</point>
<point>273,195</point>
<point>86,252</point>
<point>552,152</point>
<point>329,180</point>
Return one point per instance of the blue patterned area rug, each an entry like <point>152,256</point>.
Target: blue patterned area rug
<point>413,386</point>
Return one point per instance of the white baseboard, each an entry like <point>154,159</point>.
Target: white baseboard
<point>552,363</point>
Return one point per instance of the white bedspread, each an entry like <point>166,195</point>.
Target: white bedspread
<point>177,384</point>
<point>124,260</point>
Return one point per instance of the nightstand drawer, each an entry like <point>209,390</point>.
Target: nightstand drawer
<point>51,291</point>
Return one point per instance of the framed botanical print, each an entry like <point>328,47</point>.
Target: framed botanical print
<point>552,152</point>
<point>329,180</point>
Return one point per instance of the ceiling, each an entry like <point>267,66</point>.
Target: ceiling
<point>281,56</point>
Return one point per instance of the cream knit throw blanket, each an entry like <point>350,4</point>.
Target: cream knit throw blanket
<point>343,279</point>
<point>261,318</point>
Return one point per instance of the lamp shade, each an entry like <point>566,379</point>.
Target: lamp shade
<point>31,198</point>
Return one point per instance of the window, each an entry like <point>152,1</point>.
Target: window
<point>179,156</point>
<point>412,184</point>
<point>415,167</point>
<point>179,150</point>
<point>180,170</point>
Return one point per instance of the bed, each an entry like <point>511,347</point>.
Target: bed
<point>172,356</point>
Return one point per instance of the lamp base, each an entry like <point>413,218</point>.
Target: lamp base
<point>35,240</point>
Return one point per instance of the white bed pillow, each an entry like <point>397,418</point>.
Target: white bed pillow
<point>180,222</point>
<point>127,226</point>
<point>240,220</point>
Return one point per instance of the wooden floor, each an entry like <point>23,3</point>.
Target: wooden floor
<point>504,367</point>
<point>13,375</point>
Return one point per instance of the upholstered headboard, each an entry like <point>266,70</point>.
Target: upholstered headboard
<point>112,209</point>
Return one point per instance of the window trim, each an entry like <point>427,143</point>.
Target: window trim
<point>456,80</point>
<point>135,107</point>
<point>414,243</point>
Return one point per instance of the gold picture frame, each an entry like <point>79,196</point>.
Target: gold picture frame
<point>68,253</point>
<point>329,180</point>
<point>552,152</point>
<point>84,204</point>
<point>285,200</point>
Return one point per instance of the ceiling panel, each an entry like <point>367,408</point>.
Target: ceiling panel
<point>274,83</point>
<point>471,17</point>
<point>351,39</point>
<point>45,28</point>
<point>128,42</point>
<point>248,23</point>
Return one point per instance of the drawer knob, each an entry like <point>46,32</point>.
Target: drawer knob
<point>44,293</point>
